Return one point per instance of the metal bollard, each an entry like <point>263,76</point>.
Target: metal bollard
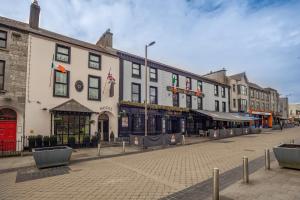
<point>123,146</point>
<point>99,147</point>
<point>267,159</point>
<point>215,184</point>
<point>183,140</point>
<point>245,170</point>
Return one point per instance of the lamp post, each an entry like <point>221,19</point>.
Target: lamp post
<point>146,86</point>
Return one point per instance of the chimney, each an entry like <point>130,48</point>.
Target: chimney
<point>106,39</point>
<point>34,15</point>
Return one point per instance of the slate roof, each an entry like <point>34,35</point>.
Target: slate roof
<point>71,106</point>
<point>255,86</point>
<point>239,76</point>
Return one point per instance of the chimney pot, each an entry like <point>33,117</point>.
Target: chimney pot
<point>106,40</point>
<point>34,15</point>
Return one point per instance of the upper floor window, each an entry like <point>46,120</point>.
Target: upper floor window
<point>257,94</point>
<point>199,85</point>
<point>94,90</point>
<point>188,83</point>
<point>61,84</point>
<point>234,103</point>
<point>242,105</point>
<point>267,107</point>
<point>175,80</point>
<point>252,105</point>
<point>2,70</point>
<point>216,92</point>
<point>233,87</point>
<point>263,106</point>
<point>257,105</point>
<point>175,98</point>
<point>242,90</point>
<point>252,93</point>
<point>188,101</point>
<point>224,106</point>
<point>136,92</point>
<point>3,39</point>
<point>136,70</point>
<point>63,53</point>
<point>200,103</point>
<point>94,61</point>
<point>223,92</point>
<point>217,106</point>
<point>153,95</point>
<point>153,74</point>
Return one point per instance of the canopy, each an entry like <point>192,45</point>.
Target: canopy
<point>225,116</point>
<point>71,106</point>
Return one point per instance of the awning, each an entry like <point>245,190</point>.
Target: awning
<point>225,116</point>
<point>71,106</point>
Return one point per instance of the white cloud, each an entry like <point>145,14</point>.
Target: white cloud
<point>196,35</point>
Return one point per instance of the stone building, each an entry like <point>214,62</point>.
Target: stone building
<point>274,104</point>
<point>284,107</point>
<point>13,66</point>
<point>294,111</point>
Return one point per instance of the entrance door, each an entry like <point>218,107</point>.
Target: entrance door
<point>103,126</point>
<point>8,129</point>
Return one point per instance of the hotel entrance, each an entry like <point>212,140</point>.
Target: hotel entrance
<point>103,126</point>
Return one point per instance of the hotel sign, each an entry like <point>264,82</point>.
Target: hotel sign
<point>184,91</point>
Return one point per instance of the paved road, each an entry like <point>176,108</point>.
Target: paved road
<point>150,175</point>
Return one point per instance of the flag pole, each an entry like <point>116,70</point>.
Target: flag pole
<point>106,82</point>
<point>52,66</point>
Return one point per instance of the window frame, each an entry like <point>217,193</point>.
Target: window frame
<point>217,106</point>
<point>99,88</point>
<point>190,105</point>
<point>200,106</point>
<point>139,92</point>
<point>178,101</point>
<point>188,83</point>
<point>177,80</point>
<point>156,95</point>
<point>224,106</point>
<point>216,90</point>
<point>5,40</point>
<point>89,61</point>
<point>139,69</point>
<point>68,84</point>
<point>3,74</point>
<point>69,53</point>
<point>223,93</point>
<point>233,87</point>
<point>156,74</point>
<point>234,103</point>
<point>200,83</point>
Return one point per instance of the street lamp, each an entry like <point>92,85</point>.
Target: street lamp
<point>146,86</point>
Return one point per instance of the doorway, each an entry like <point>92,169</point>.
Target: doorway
<point>8,129</point>
<point>103,126</point>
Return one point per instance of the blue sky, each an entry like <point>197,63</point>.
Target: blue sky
<point>261,37</point>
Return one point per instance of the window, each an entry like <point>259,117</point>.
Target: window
<point>153,95</point>
<point>242,90</point>
<point>234,103</point>
<point>223,92</point>
<point>176,99</point>
<point>217,105</point>
<point>136,92</point>
<point>267,107</point>
<point>175,80</point>
<point>199,85</point>
<point>233,87</point>
<point>2,70</point>
<point>188,101</point>
<point>257,106</point>
<point>200,103</point>
<point>3,39</point>
<point>136,70</point>
<point>257,94</point>
<point>94,91</point>
<point>188,83</point>
<point>263,106</point>
<point>216,90</point>
<point>61,84</point>
<point>242,105</point>
<point>94,61</point>
<point>224,106</point>
<point>252,105</point>
<point>153,74</point>
<point>252,93</point>
<point>63,53</point>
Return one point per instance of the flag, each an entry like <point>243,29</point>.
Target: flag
<point>61,68</point>
<point>174,81</point>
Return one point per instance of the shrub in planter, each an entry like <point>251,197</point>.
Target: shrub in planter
<point>86,141</point>
<point>94,140</point>
<point>53,140</point>
<point>39,141</point>
<point>46,141</point>
<point>31,142</point>
<point>71,141</point>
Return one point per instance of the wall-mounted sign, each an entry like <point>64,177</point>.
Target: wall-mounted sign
<point>105,108</point>
<point>79,86</point>
<point>125,122</point>
<point>184,91</point>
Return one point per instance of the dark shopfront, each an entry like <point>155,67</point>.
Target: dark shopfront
<point>160,121</point>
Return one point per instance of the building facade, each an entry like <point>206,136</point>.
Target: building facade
<point>173,94</point>
<point>284,107</point>
<point>294,111</point>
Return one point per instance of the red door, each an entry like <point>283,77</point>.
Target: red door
<point>8,130</point>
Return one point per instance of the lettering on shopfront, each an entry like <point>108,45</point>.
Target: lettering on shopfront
<point>184,91</point>
<point>105,108</point>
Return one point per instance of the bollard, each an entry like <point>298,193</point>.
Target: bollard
<point>123,148</point>
<point>183,140</point>
<point>99,146</point>
<point>245,170</point>
<point>215,184</point>
<point>267,159</point>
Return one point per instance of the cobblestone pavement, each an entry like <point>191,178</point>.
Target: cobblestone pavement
<point>150,175</point>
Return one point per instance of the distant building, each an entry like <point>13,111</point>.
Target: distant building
<point>294,111</point>
<point>284,107</point>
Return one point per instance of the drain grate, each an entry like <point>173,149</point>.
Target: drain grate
<point>33,173</point>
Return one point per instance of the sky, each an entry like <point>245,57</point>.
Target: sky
<point>259,37</point>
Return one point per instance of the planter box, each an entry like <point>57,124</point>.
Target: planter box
<point>52,156</point>
<point>288,155</point>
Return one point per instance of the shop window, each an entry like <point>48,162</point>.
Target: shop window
<point>136,70</point>
<point>3,39</point>
<point>63,53</point>
<point>94,61</point>
<point>136,92</point>
<point>153,95</point>
<point>2,71</point>
<point>137,122</point>
<point>94,90</point>
<point>217,105</point>
<point>61,84</point>
<point>153,74</point>
<point>176,99</point>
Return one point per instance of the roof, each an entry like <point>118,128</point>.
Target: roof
<point>151,63</point>
<point>71,106</point>
<point>224,116</point>
<point>255,86</point>
<point>55,36</point>
<point>239,76</point>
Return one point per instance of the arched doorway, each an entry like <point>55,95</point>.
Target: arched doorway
<point>103,126</point>
<point>8,129</point>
